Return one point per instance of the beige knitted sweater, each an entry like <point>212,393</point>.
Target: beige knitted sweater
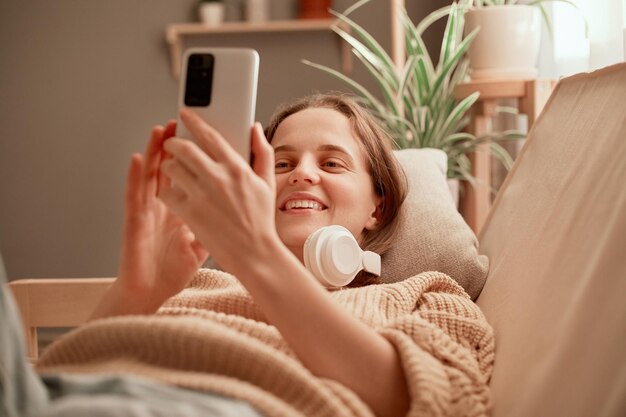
<point>213,337</point>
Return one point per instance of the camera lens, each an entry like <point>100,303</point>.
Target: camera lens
<point>195,60</point>
<point>199,80</point>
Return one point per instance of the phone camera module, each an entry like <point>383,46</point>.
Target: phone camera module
<point>199,80</point>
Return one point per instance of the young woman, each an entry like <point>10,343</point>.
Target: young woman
<point>325,162</point>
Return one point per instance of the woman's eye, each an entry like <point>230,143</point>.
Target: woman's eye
<point>332,164</point>
<point>281,165</point>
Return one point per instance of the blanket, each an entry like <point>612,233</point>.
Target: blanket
<point>213,337</point>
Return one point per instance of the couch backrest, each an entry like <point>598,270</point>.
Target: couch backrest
<point>556,239</point>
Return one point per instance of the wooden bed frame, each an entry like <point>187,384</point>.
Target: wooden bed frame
<point>45,302</point>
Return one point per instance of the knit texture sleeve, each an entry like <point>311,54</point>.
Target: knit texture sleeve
<point>446,347</point>
<point>212,337</point>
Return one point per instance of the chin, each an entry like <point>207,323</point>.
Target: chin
<point>292,238</point>
<point>296,235</point>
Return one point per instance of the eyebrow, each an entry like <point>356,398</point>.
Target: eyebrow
<point>328,147</point>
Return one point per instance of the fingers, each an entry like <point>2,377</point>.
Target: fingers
<point>182,178</point>
<point>183,173</point>
<point>152,160</point>
<point>263,156</point>
<point>170,129</point>
<point>199,251</point>
<point>174,198</point>
<point>133,191</point>
<point>133,202</point>
<point>190,157</point>
<point>188,240</point>
<point>207,138</point>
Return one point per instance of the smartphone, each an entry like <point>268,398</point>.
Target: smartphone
<point>220,84</point>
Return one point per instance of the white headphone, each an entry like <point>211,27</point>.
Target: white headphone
<point>333,255</point>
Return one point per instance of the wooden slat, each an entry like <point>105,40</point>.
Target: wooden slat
<point>58,302</point>
<point>398,55</point>
<point>55,302</point>
<point>537,94</point>
<point>490,89</point>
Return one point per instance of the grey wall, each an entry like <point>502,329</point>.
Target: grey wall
<point>82,82</point>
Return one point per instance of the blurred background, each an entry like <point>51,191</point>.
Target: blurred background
<point>82,84</point>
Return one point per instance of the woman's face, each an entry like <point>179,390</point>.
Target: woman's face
<point>321,177</point>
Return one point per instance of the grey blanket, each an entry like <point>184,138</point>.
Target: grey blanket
<point>23,393</point>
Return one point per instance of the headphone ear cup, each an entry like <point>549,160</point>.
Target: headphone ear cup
<point>311,254</point>
<point>333,255</point>
<point>342,258</point>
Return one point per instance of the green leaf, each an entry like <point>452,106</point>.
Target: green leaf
<point>449,36</point>
<point>372,58</point>
<point>368,40</point>
<point>415,46</point>
<point>371,101</point>
<point>401,141</point>
<point>432,18</point>
<point>461,50</point>
<point>501,154</point>
<point>451,123</point>
<point>407,74</point>
<point>387,91</point>
<point>355,6</point>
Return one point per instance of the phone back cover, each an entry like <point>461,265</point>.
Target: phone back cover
<point>233,99</point>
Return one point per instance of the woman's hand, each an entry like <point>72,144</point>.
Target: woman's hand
<point>159,253</point>
<point>229,206</point>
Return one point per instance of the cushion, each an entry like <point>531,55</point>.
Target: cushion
<point>433,235</point>
<point>556,240</point>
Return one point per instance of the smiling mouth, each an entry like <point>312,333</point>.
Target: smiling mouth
<point>303,205</point>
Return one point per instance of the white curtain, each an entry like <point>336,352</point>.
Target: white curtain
<point>569,50</point>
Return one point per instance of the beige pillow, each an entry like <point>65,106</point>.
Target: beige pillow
<point>433,235</point>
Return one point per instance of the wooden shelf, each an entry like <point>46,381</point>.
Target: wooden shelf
<point>176,31</point>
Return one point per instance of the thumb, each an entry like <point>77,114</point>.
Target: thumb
<point>263,154</point>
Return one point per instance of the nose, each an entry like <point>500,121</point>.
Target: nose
<point>304,172</point>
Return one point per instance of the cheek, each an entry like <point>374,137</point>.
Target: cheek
<point>281,182</point>
<point>354,202</point>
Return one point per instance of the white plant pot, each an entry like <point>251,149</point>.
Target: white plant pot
<point>257,10</point>
<point>211,14</point>
<point>507,45</point>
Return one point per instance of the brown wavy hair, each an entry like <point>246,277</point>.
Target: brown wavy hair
<point>387,176</point>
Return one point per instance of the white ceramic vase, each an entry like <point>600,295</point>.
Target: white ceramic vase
<point>257,10</point>
<point>211,13</point>
<point>507,45</point>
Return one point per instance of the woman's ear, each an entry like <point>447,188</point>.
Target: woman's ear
<point>376,215</point>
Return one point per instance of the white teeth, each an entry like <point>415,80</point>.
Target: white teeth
<point>309,204</point>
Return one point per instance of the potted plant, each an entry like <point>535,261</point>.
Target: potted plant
<point>211,12</point>
<point>507,45</point>
<point>418,107</point>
